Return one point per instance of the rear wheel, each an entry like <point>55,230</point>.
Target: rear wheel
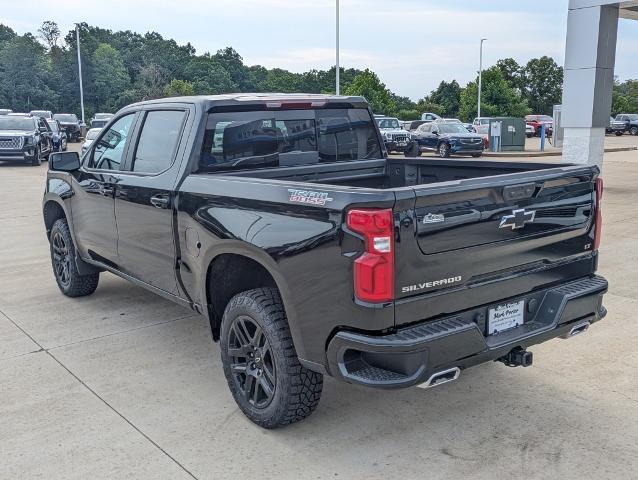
<point>477,155</point>
<point>633,130</point>
<point>69,280</point>
<point>444,150</point>
<point>260,363</point>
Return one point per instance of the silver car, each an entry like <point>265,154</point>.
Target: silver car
<point>88,139</point>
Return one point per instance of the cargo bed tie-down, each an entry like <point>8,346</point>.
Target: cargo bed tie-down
<point>416,354</point>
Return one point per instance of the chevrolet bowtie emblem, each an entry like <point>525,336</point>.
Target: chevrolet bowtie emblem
<point>518,219</point>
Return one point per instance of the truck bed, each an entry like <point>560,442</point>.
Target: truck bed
<point>395,172</point>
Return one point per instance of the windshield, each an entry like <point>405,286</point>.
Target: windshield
<point>236,140</point>
<point>103,116</point>
<point>17,123</point>
<point>40,113</point>
<point>545,118</point>
<point>388,123</point>
<point>452,128</point>
<point>53,125</point>
<point>66,117</point>
<point>93,133</point>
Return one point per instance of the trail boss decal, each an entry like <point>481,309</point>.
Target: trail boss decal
<point>436,283</point>
<point>309,197</point>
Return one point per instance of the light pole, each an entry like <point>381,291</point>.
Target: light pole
<point>480,84</point>
<point>338,87</point>
<point>77,41</point>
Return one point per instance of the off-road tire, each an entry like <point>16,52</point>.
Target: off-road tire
<point>65,270</point>
<point>443,150</point>
<point>296,391</point>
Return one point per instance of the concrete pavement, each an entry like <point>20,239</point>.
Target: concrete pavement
<point>124,384</point>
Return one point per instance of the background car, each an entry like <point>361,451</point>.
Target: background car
<point>482,125</point>
<point>58,136</point>
<point>396,139</point>
<point>25,138</point>
<point>537,121</point>
<point>5,111</point>
<point>412,125</point>
<point>71,125</point>
<point>88,139</point>
<point>445,139</point>
<point>429,117</point>
<point>530,131</point>
<point>46,114</point>
<point>100,120</point>
<point>629,121</point>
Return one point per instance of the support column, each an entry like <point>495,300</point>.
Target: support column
<point>590,57</point>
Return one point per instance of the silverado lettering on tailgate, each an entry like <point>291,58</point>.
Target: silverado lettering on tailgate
<point>435,283</point>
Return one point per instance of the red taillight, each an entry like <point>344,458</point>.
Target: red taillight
<point>598,218</point>
<point>374,270</point>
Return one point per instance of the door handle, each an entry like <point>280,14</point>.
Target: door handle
<point>161,201</point>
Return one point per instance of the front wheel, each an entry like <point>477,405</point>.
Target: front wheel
<point>36,161</point>
<point>413,150</point>
<point>69,280</point>
<point>444,150</point>
<point>477,155</point>
<point>634,130</point>
<point>260,363</point>
<point>620,134</point>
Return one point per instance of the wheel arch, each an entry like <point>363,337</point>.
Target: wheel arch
<point>235,269</point>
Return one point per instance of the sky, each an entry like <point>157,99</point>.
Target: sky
<point>411,44</point>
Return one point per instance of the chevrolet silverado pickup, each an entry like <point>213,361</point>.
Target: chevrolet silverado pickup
<point>283,221</point>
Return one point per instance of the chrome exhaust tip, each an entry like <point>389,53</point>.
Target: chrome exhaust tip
<point>577,329</point>
<point>439,378</point>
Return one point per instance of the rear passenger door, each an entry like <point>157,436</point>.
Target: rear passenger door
<point>144,198</point>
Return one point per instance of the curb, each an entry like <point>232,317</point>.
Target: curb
<point>556,153</point>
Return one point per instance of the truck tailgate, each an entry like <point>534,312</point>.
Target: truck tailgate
<point>465,234</point>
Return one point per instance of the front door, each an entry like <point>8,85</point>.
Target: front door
<point>144,200</point>
<point>93,205</point>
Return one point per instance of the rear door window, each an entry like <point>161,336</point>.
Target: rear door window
<point>158,141</point>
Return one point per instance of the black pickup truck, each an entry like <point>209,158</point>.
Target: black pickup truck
<point>281,219</point>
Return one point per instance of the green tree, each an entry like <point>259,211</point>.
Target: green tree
<point>50,33</point>
<point>6,34</point>
<point>543,84</point>
<point>24,74</point>
<point>208,76</point>
<point>368,85</point>
<point>110,77</point>
<point>625,97</point>
<point>497,99</point>
<point>512,72</point>
<point>448,96</point>
<point>179,88</point>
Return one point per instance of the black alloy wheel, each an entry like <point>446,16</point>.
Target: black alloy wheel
<point>252,363</point>
<point>61,259</point>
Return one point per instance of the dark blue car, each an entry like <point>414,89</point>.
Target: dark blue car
<point>445,139</point>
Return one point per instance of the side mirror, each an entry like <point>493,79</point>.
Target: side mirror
<point>64,161</point>
<point>435,132</point>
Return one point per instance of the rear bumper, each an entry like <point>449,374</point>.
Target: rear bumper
<point>411,355</point>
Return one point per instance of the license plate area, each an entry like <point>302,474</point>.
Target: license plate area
<point>505,316</point>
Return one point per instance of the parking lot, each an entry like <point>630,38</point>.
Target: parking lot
<point>124,384</point>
